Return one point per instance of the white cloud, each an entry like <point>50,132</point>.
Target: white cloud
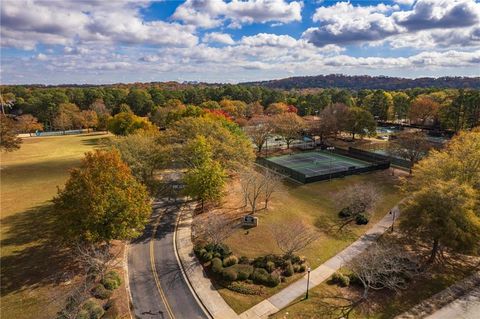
<point>27,23</point>
<point>218,37</point>
<point>213,13</point>
<point>404,2</point>
<point>432,23</point>
<point>41,57</point>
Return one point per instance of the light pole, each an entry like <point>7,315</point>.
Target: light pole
<point>393,212</point>
<point>308,281</point>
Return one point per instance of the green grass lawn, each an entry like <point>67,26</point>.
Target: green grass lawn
<point>32,268</point>
<point>314,204</point>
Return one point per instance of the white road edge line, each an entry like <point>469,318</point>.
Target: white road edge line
<point>179,261</point>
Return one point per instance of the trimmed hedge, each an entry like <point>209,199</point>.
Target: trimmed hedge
<point>270,266</point>
<point>229,274</point>
<point>361,219</point>
<point>244,288</point>
<point>288,271</point>
<point>260,276</point>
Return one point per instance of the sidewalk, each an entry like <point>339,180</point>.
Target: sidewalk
<point>319,274</point>
<point>465,307</point>
<point>203,289</point>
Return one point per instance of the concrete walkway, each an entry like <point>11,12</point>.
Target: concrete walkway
<point>203,288</point>
<point>218,308</point>
<point>465,307</point>
<point>319,274</point>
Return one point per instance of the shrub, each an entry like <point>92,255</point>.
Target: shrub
<point>243,271</point>
<point>288,271</point>
<point>199,249</point>
<point>221,249</point>
<point>354,280</point>
<point>273,280</point>
<point>260,276</point>
<point>101,292</point>
<point>345,213</point>
<point>259,262</point>
<point>296,268</point>
<point>303,267</point>
<point>229,274</point>
<point>217,265</point>
<point>82,314</point>
<point>295,259</point>
<point>94,310</point>
<point>340,279</point>
<point>207,256</point>
<point>113,312</point>
<point>361,220</point>
<point>244,260</point>
<point>270,266</point>
<point>112,280</point>
<point>230,261</point>
<point>217,255</point>
<point>244,288</point>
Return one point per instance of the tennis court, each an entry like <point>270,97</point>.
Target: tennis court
<point>318,162</point>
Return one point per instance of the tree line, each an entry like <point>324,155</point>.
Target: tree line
<point>60,108</point>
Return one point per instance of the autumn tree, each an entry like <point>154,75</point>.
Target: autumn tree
<point>28,123</point>
<point>289,126</point>
<point>444,214</point>
<point>90,119</point>
<point>443,206</point>
<point>101,201</point>
<point>276,108</point>
<point>410,146</point>
<point>259,130</point>
<point>205,182</point>
<point>125,123</point>
<point>9,141</point>
<point>143,153</point>
<point>360,121</point>
<point>423,108</point>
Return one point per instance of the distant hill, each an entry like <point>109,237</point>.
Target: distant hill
<point>368,82</point>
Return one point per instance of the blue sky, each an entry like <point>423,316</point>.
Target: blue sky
<point>96,41</point>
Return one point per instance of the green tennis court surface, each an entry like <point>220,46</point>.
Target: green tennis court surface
<point>318,162</point>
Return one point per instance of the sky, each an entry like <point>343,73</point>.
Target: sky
<point>112,41</point>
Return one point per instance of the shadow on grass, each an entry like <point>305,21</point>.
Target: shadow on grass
<point>99,141</point>
<point>35,256</point>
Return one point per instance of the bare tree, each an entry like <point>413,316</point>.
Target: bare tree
<point>217,228</point>
<point>95,259</point>
<point>257,186</point>
<point>410,146</point>
<point>272,185</point>
<point>356,200</point>
<point>380,267</point>
<point>75,299</point>
<point>293,237</point>
<point>288,126</point>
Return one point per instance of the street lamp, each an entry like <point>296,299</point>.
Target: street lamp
<point>393,212</point>
<point>308,281</point>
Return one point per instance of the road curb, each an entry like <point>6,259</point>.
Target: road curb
<point>182,267</point>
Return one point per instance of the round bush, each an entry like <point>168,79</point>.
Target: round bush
<point>270,266</point>
<point>303,267</point>
<point>243,271</point>
<point>296,268</point>
<point>83,314</point>
<point>288,271</point>
<point>295,259</point>
<point>340,279</point>
<point>200,252</point>
<point>345,213</point>
<point>207,256</point>
<point>273,280</point>
<point>230,261</point>
<point>217,265</point>
<point>361,220</point>
<point>244,260</point>
<point>101,292</point>
<point>260,276</point>
<point>112,280</point>
<point>229,274</point>
<point>95,311</point>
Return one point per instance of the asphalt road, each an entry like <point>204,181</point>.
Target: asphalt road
<point>157,286</point>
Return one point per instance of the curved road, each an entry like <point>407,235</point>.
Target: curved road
<point>158,288</point>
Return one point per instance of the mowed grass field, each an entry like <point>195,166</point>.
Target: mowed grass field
<point>33,269</point>
<point>314,204</point>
